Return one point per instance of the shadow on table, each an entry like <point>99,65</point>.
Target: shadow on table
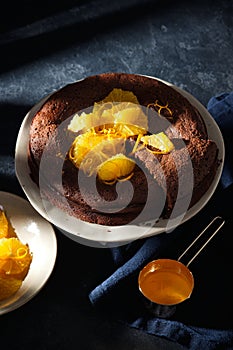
<point>12,116</point>
<point>35,31</point>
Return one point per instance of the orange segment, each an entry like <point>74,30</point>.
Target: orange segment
<point>3,224</point>
<point>89,150</point>
<point>11,230</point>
<point>101,147</point>
<point>15,258</point>
<point>117,109</point>
<point>116,168</point>
<point>103,111</point>
<point>79,122</point>
<point>82,144</point>
<point>119,95</point>
<point>86,122</point>
<point>6,229</point>
<point>8,287</point>
<point>159,141</point>
<point>131,115</point>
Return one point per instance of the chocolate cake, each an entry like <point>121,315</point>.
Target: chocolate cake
<point>153,160</point>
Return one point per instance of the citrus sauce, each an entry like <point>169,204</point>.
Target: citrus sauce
<point>166,282</point>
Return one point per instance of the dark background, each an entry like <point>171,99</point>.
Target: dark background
<point>45,45</point>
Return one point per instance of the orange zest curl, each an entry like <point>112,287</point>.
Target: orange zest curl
<point>160,107</point>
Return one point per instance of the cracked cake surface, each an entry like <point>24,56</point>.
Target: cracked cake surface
<point>159,179</point>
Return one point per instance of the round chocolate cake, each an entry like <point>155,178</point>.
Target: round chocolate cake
<point>116,148</point>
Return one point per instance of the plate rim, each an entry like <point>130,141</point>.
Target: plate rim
<point>21,205</point>
<point>90,226</point>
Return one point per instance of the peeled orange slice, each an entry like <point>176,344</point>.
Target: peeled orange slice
<point>116,168</point>
<point>83,122</point>
<point>131,121</point>
<point>15,258</point>
<point>159,141</point>
<point>8,286</point>
<point>131,115</point>
<point>120,108</point>
<point>82,144</point>
<point>103,111</point>
<point>3,224</point>
<point>89,150</point>
<point>6,229</point>
<point>100,149</point>
<point>88,121</point>
<point>119,95</point>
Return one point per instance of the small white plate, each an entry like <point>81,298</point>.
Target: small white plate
<point>31,228</point>
<point>101,235</point>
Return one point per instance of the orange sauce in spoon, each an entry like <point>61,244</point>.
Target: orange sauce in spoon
<point>166,282</point>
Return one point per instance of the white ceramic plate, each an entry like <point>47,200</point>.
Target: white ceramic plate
<point>100,235</point>
<point>31,228</point>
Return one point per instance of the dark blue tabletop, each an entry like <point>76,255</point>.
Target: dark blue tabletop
<point>48,44</point>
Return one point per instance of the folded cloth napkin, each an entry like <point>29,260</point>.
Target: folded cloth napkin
<point>221,108</point>
<point>202,322</point>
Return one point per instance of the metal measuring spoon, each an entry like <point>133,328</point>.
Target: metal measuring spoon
<point>168,282</point>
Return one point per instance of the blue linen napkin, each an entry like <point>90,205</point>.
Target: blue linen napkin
<point>118,295</point>
<point>221,108</point>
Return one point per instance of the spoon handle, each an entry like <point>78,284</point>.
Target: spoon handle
<point>222,222</point>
